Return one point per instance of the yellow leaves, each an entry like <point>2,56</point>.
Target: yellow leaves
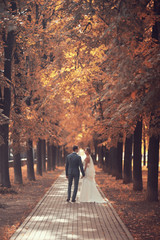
<point>74,52</point>
<point>77,123</point>
<point>99,52</point>
<point>45,81</point>
<point>79,137</point>
<point>58,5</point>
<point>29,113</point>
<point>70,54</point>
<point>67,69</point>
<point>54,73</point>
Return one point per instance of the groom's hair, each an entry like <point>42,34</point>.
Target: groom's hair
<point>75,147</point>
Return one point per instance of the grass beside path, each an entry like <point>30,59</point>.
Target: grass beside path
<point>17,202</point>
<point>141,217</point>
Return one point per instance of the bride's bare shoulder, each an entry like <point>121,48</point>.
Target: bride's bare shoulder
<point>87,159</point>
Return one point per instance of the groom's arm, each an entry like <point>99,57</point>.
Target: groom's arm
<point>81,166</point>
<point>67,167</point>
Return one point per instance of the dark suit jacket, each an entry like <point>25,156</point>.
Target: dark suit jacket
<point>73,163</point>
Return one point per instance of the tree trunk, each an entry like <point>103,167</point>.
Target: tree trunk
<point>18,96</point>
<point>153,161</point>
<point>53,149</point>
<point>65,154</point>
<point>16,154</point>
<point>43,154</point>
<point>103,157</point>
<point>156,27</point>
<point>17,167</point>
<point>1,151</point>
<point>30,161</point>
<point>57,156</point>
<point>6,103</point>
<point>95,155</point>
<point>60,155</point>
<point>137,168</point>
<point>128,161</point>
<point>109,164</point>
<point>113,156</point>
<point>5,180</point>
<point>106,165</point>
<point>153,151</point>
<point>119,160</point>
<point>49,157</point>
<point>39,157</point>
<point>100,157</point>
<point>144,154</point>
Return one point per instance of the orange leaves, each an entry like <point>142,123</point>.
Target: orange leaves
<point>133,95</point>
<point>142,218</point>
<point>87,64</point>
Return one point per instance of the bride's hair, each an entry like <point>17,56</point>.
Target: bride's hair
<point>88,150</point>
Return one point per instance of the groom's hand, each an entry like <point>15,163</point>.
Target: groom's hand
<point>67,177</point>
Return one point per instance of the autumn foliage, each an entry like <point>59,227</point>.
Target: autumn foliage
<point>95,63</point>
<point>82,71</point>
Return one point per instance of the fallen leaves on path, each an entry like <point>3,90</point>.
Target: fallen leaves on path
<point>141,217</point>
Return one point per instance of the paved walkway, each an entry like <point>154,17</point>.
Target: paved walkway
<point>54,218</point>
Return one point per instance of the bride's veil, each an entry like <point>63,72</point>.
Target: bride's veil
<point>91,168</point>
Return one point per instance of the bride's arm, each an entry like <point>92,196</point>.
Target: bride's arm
<point>87,160</point>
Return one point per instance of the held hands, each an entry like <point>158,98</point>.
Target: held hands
<point>82,176</point>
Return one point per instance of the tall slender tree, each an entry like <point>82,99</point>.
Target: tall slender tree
<point>49,157</point>
<point>153,164</point>
<point>153,151</point>
<point>113,157</point>
<point>137,165</point>
<point>6,103</point>
<point>100,156</point>
<point>53,149</point>
<point>16,117</point>
<point>39,157</point>
<point>119,159</point>
<point>30,161</point>
<point>106,166</point>
<point>43,153</point>
<point>128,160</point>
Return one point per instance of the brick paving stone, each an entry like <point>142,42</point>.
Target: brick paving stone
<point>55,219</point>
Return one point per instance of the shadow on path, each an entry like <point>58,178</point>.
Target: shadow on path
<point>54,218</point>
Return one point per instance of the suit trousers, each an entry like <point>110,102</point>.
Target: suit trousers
<point>72,177</point>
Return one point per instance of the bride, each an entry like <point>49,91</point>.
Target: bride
<point>89,191</point>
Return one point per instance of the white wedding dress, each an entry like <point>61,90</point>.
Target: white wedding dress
<point>89,191</point>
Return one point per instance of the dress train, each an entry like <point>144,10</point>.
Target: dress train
<point>89,191</point>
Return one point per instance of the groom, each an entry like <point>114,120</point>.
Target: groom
<point>72,172</point>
